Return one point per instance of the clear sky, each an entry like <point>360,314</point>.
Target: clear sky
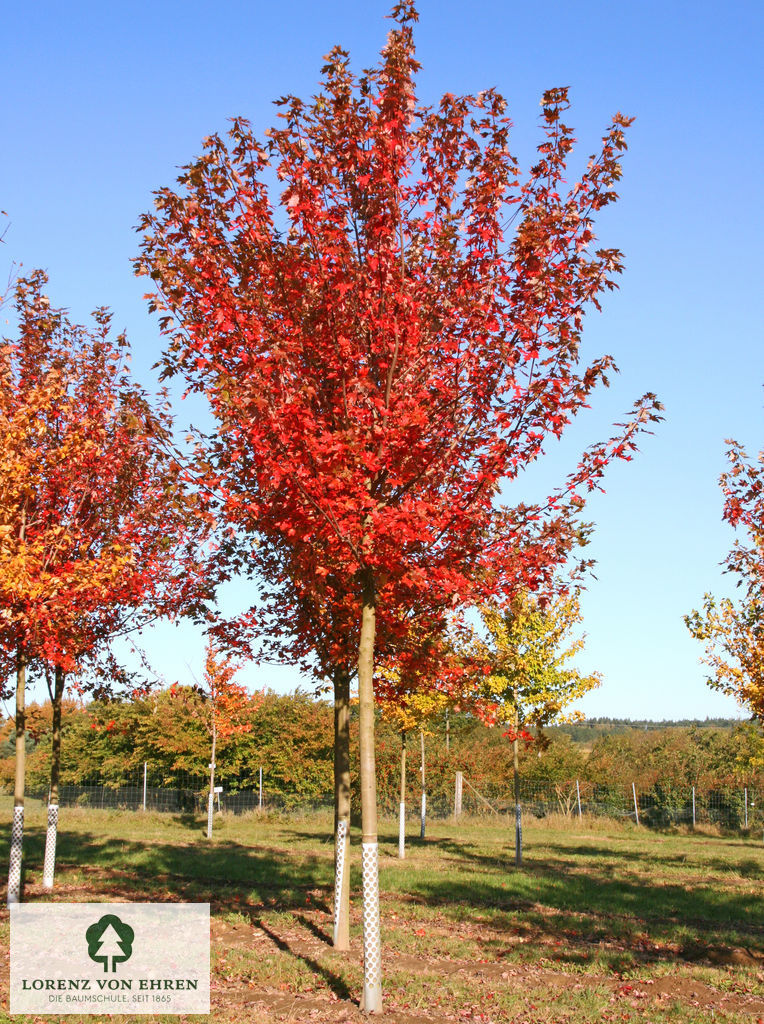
<point>103,101</point>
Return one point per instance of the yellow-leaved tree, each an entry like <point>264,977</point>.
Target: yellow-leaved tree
<point>733,631</point>
<point>524,676</point>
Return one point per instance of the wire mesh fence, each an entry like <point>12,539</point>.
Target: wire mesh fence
<point>180,792</point>
<point>659,805</point>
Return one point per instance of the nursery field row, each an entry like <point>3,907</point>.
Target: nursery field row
<point>604,922</point>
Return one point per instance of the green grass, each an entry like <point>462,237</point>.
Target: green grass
<point>603,922</point>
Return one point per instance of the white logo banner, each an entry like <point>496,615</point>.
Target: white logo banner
<point>110,958</point>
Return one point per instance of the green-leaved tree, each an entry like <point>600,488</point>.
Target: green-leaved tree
<point>524,655</point>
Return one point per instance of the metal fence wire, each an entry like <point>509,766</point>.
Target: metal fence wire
<point>737,807</point>
<point>659,806</point>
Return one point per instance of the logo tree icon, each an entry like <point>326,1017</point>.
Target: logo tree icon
<point>110,939</point>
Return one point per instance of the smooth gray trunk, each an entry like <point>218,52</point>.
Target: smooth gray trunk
<point>342,808</point>
<point>51,835</point>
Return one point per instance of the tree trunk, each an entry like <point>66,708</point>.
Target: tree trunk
<point>518,809</point>
<point>402,817</point>
<point>372,949</point>
<point>448,733</point>
<point>424,791</point>
<point>211,800</point>
<point>341,809</point>
<point>49,862</point>
<point>17,829</point>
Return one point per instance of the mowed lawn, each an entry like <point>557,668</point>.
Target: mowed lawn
<point>604,922</point>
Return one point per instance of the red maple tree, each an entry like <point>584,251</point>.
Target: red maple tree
<point>389,341</point>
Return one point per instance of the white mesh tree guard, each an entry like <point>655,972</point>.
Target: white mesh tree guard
<point>339,874</point>
<point>49,864</point>
<point>14,869</point>
<point>372,944</point>
<point>402,832</point>
<point>210,814</point>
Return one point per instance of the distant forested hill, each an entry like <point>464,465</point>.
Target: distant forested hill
<point>591,729</point>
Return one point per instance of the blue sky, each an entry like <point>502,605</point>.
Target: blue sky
<point>102,102</point>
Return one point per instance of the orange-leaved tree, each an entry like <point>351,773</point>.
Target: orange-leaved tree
<point>221,705</point>
<point>98,532</point>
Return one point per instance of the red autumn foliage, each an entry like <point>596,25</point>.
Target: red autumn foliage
<point>98,534</point>
<point>743,488</point>
<point>396,339</point>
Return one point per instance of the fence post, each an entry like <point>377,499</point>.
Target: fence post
<point>578,798</point>
<point>458,796</point>
<point>260,805</point>
<point>636,808</point>
<point>745,791</point>
<point>693,807</point>
<point>144,785</point>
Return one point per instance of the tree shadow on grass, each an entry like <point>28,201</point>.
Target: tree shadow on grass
<point>655,855</point>
<point>588,879</point>
<point>748,868</point>
<point>611,857</point>
<point>190,820</point>
<point>229,875</point>
<point>670,909</point>
<point>337,984</point>
<point>581,901</point>
<point>224,872</point>
<point>312,927</point>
